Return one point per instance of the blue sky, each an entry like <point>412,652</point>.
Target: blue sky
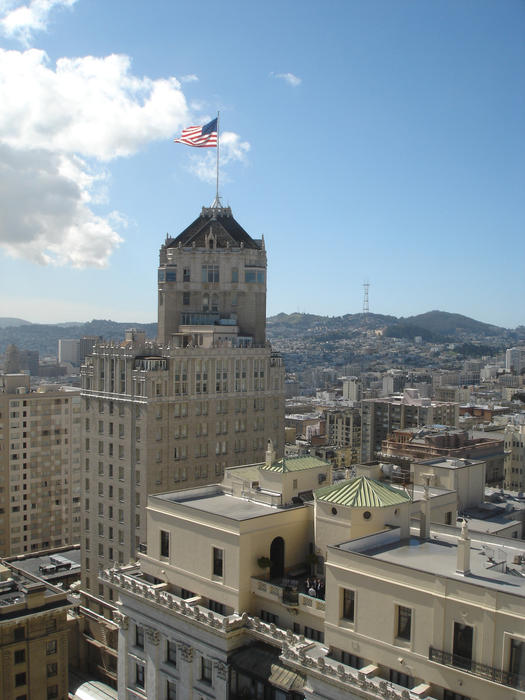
<point>366,139</point>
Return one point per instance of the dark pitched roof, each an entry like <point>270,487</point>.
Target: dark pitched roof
<point>223,226</point>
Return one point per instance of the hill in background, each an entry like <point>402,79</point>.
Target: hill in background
<point>433,326</point>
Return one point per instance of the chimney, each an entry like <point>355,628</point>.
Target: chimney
<point>424,522</point>
<point>463,554</point>
<point>270,454</point>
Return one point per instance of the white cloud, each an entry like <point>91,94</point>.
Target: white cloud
<point>204,166</point>
<point>21,20</point>
<point>44,212</point>
<point>289,78</point>
<point>191,78</point>
<point>57,126</point>
<point>91,106</point>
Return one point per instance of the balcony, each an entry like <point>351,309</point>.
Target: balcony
<point>513,680</point>
<point>288,593</point>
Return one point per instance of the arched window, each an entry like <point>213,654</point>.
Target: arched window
<point>277,558</point>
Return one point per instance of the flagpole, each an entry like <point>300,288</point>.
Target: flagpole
<point>217,200</point>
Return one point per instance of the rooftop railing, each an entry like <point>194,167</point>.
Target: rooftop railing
<point>514,680</point>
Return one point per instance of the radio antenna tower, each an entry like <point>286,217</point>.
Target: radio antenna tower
<point>366,308</point>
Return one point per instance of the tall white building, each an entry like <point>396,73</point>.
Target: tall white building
<point>515,360</point>
<point>250,590</point>
<point>69,351</point>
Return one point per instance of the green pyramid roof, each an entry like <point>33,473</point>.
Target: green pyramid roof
<point>362,492</point>
<point>294,464</point>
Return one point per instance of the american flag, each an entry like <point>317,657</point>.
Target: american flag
<point>200,136</point>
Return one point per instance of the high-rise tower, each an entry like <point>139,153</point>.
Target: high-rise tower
<point>212,284</point>
<point>173,413</point>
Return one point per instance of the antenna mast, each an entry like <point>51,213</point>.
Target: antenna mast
<point>366,308</point>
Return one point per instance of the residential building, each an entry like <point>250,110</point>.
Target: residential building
<point>33,637</point>
<point>515,457</point>
<point>515,360</point>
<point>29,360</point>
<point>39,466</point>
<point>354,603</point>
<point>379,417</point>
<point>409,444</point>
<point>343,429</point>
<point>86,345</point>
<point>352,388</point>
<point>69,351</point>
<point>394,382</point>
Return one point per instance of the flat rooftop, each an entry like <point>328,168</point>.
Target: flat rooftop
<point>452,462</point>
<point>438,556</point>
<point>215,501</point>
<point>32,563</point>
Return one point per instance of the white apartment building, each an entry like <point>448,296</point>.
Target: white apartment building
<point>353,603</point>
<point>69,351</point>
<point>515,360</point>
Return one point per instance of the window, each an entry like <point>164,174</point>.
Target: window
<point>185,298</point>
<point>20,679</point>
<point>51,647</point>
<point>52,692</point>
<point>210,273</point>
<point>171,275</point>
<point>186,274</point>
<point>218,558</point>
<point>235,274</point>
<point>404,622</point>
<point>401,679</point>
<point>517,657</point>
<point>217,607</point>
<point>171,653</point>
<point>351,660</point>
<point>311,633</point>
<point>164,543</point>
<point>52,670</point>
<point>448,517</point>
<point>348,605</point>
<point>139,675</point>
<point>170,691</point>
<point>269,617</point>
<point>139,636</point>
<point>451,695</point>
<point>20,634</point>
<point>20,656</point>
<point>251,275</point>
<point>206,670</point>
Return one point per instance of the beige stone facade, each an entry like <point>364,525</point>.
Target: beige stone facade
<point>39,467</point>
<point>174,413</point>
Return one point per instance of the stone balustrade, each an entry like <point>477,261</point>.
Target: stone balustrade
<point>303,655</point>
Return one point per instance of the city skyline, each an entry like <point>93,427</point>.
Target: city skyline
<point>380,141</point>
